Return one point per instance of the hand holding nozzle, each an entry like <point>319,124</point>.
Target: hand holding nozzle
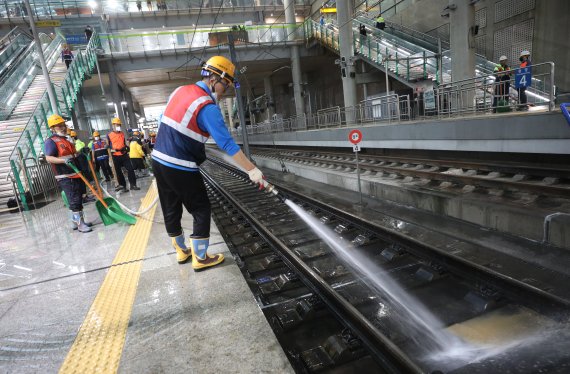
<point>257,177</point>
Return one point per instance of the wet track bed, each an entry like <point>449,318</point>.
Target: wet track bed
<point>330,315</point>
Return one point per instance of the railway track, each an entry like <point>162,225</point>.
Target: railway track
<point>332,314</point>
<point>538,179</point>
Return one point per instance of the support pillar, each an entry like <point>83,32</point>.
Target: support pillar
<point>344,16</point>
<point>269,95</point>
<point>462,45</point>
<point>131,110</point>
<point>295,58</point>
<point>81,113</point>
<point>116,94</point>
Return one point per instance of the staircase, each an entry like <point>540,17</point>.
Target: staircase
<point>22,134</point>
<point>36,90</point>
<point>407,62</point>
<point>11,129</point>
<point>10,132</point>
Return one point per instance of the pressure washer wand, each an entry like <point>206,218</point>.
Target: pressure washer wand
<point>269,188</point>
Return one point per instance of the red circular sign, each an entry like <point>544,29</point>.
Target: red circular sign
<point>355,136</point>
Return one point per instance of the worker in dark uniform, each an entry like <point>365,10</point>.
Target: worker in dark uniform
<point>120,153</point>
<point>101,156</point>
<point>190,117</point>
<point>59,152</point>
<point>88,33</point>
<point>66,56</point>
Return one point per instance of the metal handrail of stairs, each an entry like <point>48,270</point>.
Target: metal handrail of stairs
<point>31,142</point>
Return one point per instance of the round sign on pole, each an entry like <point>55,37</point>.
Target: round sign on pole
<point>355,136</point>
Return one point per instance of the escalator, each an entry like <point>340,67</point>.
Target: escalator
<point>12,46</point>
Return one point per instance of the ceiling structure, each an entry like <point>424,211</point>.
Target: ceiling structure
<point>153,87</point>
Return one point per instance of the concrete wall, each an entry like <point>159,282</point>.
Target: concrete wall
<point>527,133</point>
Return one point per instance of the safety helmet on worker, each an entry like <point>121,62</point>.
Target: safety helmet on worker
<point>525,53</point>
<point>116,121</point>
<point>503,58</point>
<point>220,66</point>
<point>73,134</point>
<point>55,120</point>
<point>95,133</point>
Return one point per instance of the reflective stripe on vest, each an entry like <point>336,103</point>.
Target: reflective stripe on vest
<point>100,149</point>
<point>180,141</point>
<point>65,150</point>
<point>182,111</point>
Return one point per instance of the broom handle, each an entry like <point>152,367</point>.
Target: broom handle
<point>89,185</point>
<point>90,162</point>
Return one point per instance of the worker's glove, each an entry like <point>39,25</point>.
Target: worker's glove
<point>256,176</point>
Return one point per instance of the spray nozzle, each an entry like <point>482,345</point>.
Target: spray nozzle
<point>269,188</point>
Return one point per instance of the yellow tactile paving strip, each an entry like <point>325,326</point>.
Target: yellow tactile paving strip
<point>99,343</point>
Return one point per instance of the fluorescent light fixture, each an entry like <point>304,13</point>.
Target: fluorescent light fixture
<point>110,104</point>
<point>21,85</point>
<point>22,268</point>
<point>92,4</point>
<point>123,103</point>
<point>11,98</point>
<point>388,44</point>
<point>403,52</point>
<point>31,70</point>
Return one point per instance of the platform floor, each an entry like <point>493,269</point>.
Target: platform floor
<point>179,320</point>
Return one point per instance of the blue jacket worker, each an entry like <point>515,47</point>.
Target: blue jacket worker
<point>190,118</point>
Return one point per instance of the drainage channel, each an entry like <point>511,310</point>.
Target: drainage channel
<point>329,316</point>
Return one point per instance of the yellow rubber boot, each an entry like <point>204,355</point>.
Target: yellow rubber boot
<point>200,257</point>
<point>182,252</point>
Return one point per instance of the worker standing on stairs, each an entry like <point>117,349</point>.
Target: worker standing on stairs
<point>120,153</point>
<point>59,152</point>
<point>190,117</point>
<point>380,23</point>
<point>101,156</point>
<point>66,55</point>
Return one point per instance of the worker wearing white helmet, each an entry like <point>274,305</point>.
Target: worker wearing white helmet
<point>525,63</point>
<point>502,83</point>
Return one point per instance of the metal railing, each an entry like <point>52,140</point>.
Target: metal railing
<point>30,144</point>
<point>162,40</point>
<point>86,8</point>
<point>405,59</point>
<point>471,97</point>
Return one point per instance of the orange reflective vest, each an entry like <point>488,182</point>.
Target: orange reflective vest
<point>65,150</point>
<point>117,142</point>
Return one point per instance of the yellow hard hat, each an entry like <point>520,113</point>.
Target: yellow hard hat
<point>54,120</point>
<point>95,133</point>
<point>221,66</point>
<point>116,121</point>
<point>72,133</point>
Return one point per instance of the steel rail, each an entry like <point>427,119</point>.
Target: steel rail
<point>478,181</point>
<point>386,353</point>
<point>504,167</point>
